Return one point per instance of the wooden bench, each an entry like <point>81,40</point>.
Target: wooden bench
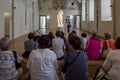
<point>93,65</point>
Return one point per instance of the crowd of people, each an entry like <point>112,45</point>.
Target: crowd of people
<point>47,54</point>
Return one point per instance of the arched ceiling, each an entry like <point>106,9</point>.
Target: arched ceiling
<point>60,3</point>
<point>57,3</point>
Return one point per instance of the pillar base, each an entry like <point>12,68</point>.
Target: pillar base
<point>60,28</point>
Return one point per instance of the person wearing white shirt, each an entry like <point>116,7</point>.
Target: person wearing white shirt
<point>83,41</point>
<point>42,62</point>
<point>112,62</point>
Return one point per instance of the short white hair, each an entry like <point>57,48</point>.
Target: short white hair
<point>4,42</point>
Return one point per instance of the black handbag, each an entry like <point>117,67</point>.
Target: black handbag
<point>64,68</point>
<point>66,65</point>
<point>17,65</point>
<point>101,75</point>
<point>26,54</point>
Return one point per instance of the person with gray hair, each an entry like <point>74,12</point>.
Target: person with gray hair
<point>107,43</point>
<point>4,43</point>
<point>8,70</point>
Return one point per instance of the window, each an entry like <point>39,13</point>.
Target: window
<point>91,10</point>
<point>83,10</point>
<point>106,14</point>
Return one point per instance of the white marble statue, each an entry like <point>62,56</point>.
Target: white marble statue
<point>60,19</point>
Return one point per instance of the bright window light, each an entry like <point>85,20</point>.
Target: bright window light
<point>48,17</point>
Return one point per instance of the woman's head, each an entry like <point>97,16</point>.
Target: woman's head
<point>94,35</point>
<point>84,35</point>
<point>4,43</point>
<point>50,34</point>
<point>117,43</point>
<point>107,35</point>
<point>74,32</point>
<point>44,41</point>
<point>31,35</point>
<point>58,33</point>
<point>62,34</point>
<point>75,42</point>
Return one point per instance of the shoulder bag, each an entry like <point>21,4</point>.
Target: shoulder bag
<point>66,65</point>
<point>100,74</point>
<point>105,52</point>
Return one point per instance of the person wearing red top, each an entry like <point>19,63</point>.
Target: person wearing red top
<point>111,42</point>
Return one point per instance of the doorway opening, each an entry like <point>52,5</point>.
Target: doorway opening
<point>76,22</point>
<point>7,24</point>
<point>43,22</point>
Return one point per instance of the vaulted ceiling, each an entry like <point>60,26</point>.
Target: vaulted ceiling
<point>60,3</point>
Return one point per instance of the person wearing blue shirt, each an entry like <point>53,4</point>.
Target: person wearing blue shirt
<point>77,69</point>
<point>68,24</point>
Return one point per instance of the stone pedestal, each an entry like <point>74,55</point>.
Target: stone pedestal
<point>60,28</point>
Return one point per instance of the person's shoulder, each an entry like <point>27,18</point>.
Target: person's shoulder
<point>51,51</point>
<point>33,52</point>
<point>54,38</point>
<point>85,39</point>
<point>9,52</point>
<point>82,52</point>
<point>6,53</point>
<point>69,53</point>
<point>111,40</point>
<point>112,53</point>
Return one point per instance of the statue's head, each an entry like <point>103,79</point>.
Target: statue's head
<point>61,12</point>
